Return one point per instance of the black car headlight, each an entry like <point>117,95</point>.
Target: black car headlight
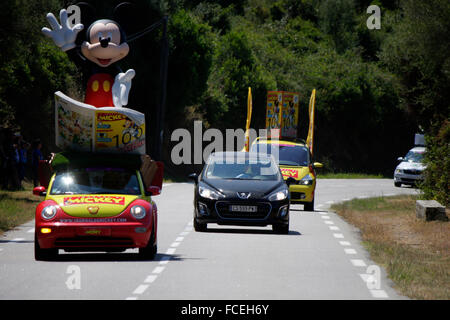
<point>306,180</point>
<point>279,195</point>
<point>209,193</point>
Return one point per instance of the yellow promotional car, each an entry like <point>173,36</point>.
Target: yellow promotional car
<point>295,161</point>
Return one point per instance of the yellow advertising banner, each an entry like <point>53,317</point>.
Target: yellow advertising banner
<point>289,121</point>
<point>82,127</point>
<point>249,118</point>
<point>282,114</point>
<point>310,138</point>
<point>273,111</point>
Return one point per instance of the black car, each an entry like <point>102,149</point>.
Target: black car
<point>241,188</point>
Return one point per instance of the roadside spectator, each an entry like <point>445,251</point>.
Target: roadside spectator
<point>17,182</point>
<point>36,157</point>
<point>3,162</point>
<point>23,150</point>
<point>9,164</point>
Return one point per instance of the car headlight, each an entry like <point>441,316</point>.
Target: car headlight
<point>208,193</point>
<point>306,180</point>
<point>138,212</point>
<point>398,171</point>
<point>48,212</point>
<point>279,195</point>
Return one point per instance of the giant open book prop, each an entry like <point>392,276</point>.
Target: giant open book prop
<point>82,127</point>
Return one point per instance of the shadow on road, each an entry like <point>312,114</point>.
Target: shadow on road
<point>16,241</point>
<point>248,231</point>
<point>115,257</point>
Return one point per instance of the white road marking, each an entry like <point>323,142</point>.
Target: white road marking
<point>17,239</point>
<point>329,202</point>
<point>158,270</point>
<point>150,278</point>
<point>350,251</point>
<point>140,289</point>
<point>329,222</point>
<point>171,251</point>
<point>344,243</point>
<point>334,228</point>
<point>325,217</point>
<point>358,263</point>
<point>338,235</point>
<point>163,261</point>
<point>31,230</point>
<point>379,294</point>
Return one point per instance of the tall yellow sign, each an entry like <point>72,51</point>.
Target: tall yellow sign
<point>282,114</point>
<point>310,138</point>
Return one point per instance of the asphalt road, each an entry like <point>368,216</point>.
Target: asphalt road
<point>320,258</point>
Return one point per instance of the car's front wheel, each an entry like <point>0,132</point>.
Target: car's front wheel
<point>200,227</point>
<point>43,254</point>
<point>149,252</point>
<point>309,206</point>
<point>397,184</point>
<point>281,228</point>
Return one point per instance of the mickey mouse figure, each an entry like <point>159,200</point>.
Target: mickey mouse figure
<point>103,45</point>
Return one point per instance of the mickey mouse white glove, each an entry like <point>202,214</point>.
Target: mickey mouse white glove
<point>121,88</point>
<point>63,35</point>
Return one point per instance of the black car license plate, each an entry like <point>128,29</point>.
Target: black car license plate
<point>239,208</point>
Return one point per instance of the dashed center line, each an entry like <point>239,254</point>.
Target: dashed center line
<point>163,261</point>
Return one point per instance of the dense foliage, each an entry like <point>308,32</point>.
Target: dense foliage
<point>375,88</point>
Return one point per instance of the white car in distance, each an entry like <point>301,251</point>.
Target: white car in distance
<point>411,167</point>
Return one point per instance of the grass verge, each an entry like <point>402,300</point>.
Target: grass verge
<point>16,207</point>
<point>415,253</point>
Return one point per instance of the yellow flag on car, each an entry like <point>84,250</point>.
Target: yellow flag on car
<point>249,117</point>
<point>310,138</point>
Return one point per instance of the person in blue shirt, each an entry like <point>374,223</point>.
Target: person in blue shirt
<point>36,157</point>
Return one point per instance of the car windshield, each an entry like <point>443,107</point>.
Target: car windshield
<point>238,166</point>
<point>288,155</point>
<point>96,181</point>
<point>413,156</point>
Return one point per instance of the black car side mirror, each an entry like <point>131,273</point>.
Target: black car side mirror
<point>290,181</point>
<point>193,177</point>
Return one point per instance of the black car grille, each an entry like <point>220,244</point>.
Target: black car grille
<point>224,211</point>
<point>297,195</point>
<point>412,171</point>
<point>93,242</point>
